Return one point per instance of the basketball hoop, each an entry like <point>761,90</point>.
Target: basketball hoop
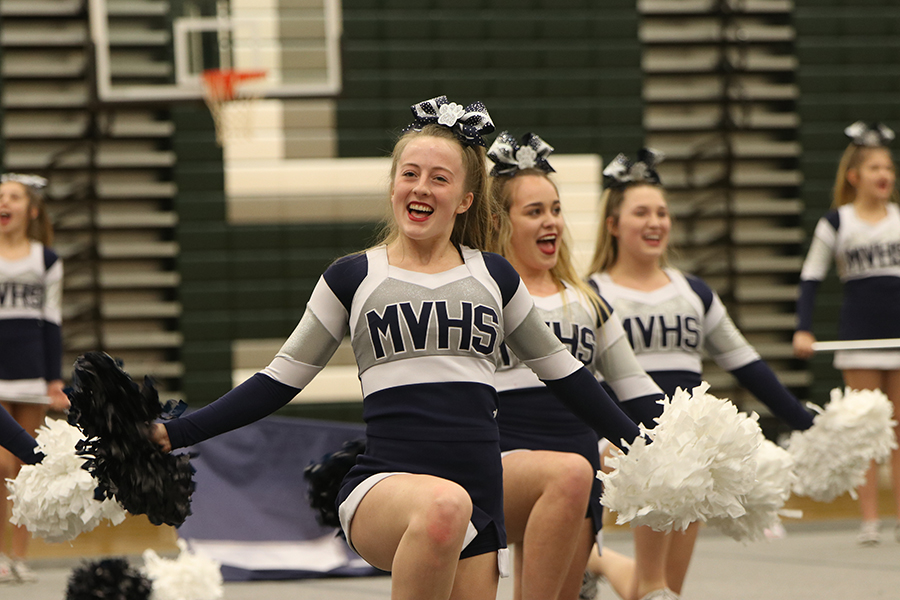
<point>229,100</point>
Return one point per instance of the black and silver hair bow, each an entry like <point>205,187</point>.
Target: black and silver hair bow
<point>35,181</point>
<point>469,123</point>
<point>509,156</point>
<point>870,135</point>
<point>622,171</point>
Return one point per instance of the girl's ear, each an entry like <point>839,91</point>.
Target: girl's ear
<point>612,225</point>
<point>33,212</point>
<point>853,176</point>
<point>466,203</point>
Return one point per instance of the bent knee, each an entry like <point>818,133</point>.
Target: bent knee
<point>575,477</point>
<point>445,515</point>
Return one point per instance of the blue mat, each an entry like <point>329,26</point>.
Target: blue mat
<point>250,511</point>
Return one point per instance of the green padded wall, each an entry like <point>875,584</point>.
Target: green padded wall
<point>568,70</point>
<point>849,69</point>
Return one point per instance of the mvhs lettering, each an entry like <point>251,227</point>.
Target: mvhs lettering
<point>21,295</point>
<point>579,340</point>
<point>874,256</point>
<point>658,332</point>
<point>477,326</point>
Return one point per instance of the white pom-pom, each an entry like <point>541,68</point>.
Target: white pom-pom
<point>831,457</point>
<point>765,501</point>
<point>699,466</point>
<point>188,577</point>
<point>54,499</point>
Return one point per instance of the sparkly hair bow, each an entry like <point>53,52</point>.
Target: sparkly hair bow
<point>874,135</point>
<point>468,123</point>
<point>621,171</point>
<point>34,181</point>
<point>509,156</point>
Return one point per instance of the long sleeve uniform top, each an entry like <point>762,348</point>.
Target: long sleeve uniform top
<point>426,345</point>
<point>867,256</point>
<point>597,340</point>
<point>671,328</point>
<point>30,318</point>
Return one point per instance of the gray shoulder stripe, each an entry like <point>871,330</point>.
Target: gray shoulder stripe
<point>532,338</point>
<point>310,343</point>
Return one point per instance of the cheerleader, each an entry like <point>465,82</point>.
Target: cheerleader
<point>862,233</point>
<point>550,456</point>
<point>671,319</point>
<point>30,340</point>
<point>426,312</point>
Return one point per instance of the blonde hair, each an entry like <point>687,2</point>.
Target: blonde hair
<point>563,272</point>
<point>471,228</point>
<point>39,228</point>
<point>606,248</point>
<point>854,156</point>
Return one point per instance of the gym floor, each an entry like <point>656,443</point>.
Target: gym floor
<point>817,560</point>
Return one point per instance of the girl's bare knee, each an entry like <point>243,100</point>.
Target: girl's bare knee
<point>575,477</point>
<point>446,514</point>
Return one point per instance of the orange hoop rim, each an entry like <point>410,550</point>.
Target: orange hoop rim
<point>222,84</point>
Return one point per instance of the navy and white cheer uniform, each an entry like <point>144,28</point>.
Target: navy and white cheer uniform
<point>30,316</point>
<point>868,263</point>
<point>672,327</point>
<point>427,346</point>
<point>532,418</point>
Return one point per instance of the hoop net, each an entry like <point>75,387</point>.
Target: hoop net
<point>229,100</point>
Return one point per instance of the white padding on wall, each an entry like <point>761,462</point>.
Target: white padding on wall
<point>303,177</point>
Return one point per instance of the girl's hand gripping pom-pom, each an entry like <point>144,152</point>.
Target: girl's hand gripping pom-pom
<point>700,464</point>
<point>107,579</point>
<point>188,577</point>
<point>55,499</point>
<point>323,480</point>
<point>116,415</point>
<point>764,503</point>
<point>831,457</point>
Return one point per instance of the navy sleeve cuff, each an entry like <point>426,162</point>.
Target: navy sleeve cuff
<point>254,399</point>
<point>52,351</point>
<point>586,398</point>
<point>16,440</point>
<point>806,301</point>
<point>644,410</point>
<point>762,382</point>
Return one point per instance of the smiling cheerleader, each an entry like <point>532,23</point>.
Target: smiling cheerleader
<point>426,311</point>
<point>861,233</point>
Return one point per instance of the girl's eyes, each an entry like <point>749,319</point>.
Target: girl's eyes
<point>643,212</point>
<point>537,211</point>
<point>412,174</point>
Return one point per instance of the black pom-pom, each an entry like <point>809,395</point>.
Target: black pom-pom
<point>115,415</point>
<point>107,579</point>
<point>324,480</point>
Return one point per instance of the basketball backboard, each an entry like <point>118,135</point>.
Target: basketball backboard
<point>297,47</point>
